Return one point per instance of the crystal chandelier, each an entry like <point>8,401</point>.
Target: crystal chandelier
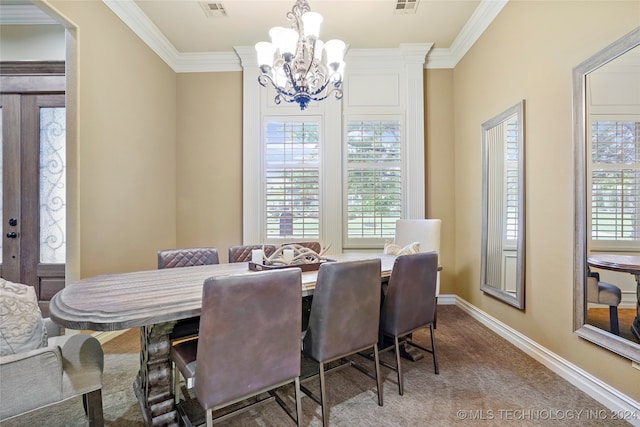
<point>299,66</point>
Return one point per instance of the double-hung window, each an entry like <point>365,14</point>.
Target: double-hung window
<point>374,176</point>
<point>615,182</point>
<point>341,171</point>
<point>511,190</point>
<point>292,177</point>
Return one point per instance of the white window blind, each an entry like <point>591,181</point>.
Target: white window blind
<point>291,167</point>
<point>615,180</point>
<point>511,183</point>
<point>374,178</point>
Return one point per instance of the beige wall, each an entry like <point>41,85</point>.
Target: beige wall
<point>439,165</point>
<point>122,171</point>
<point>528,53</point>
<point>209,160</point>
<point>151,172</point>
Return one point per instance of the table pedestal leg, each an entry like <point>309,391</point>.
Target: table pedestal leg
<point>410,353</point>
<point>153,383</point>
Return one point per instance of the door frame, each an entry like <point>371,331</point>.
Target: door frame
<point>17,78</point>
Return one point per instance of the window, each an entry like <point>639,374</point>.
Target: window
<point>511,184</point>
<point>313,173</point>
<point>373,178</point>
<point>615,181</point>
<point>291,168</point>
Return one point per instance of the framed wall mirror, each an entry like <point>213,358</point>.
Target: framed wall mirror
<point>503,226</point>
<point>606,102</point>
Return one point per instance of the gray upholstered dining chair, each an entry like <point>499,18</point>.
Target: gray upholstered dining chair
<point>186,257</point>
<point>344,320</point>
<point>242,253</point>
<point>427,233</point>
<point>410,304</point>
<point>39,368</point>
<point>225,365</point>
<point>605,293</point>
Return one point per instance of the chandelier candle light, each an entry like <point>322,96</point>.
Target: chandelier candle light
<point>299,66</point>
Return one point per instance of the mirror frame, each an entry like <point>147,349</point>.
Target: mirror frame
<point>517,300</point>
<point>598,336</point>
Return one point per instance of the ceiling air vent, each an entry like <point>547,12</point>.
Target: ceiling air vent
<point>406,6</point>
<point>213,10</point>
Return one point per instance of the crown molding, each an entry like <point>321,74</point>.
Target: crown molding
<point>440,58</point>
<point>134,18</point>
<point>202,62</point>
<point>480,20</point>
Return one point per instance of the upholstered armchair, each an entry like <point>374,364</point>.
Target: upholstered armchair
<point>605,293</point>
<point>39,368</point>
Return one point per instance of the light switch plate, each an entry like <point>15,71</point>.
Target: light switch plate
<point>635,365</point>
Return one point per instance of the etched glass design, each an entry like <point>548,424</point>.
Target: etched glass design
<point>52,186</point>
<point>1,183</point>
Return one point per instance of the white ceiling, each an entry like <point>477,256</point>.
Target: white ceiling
<point>182,34</point>
<point>361,24</point>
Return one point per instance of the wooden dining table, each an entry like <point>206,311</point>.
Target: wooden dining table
<point>623,264</point>
<point>154,300</point>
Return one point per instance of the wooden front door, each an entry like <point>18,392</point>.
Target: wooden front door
<point>33,176</point>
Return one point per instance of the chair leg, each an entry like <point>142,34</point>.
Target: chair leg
<point>435,314</point>
<point>298,402</point>
<point>399,370</point>
<point>613,320</point>
<point>323,406</point>
<point>93,406</point>
<point>433,348</point>
<point>378,376</point>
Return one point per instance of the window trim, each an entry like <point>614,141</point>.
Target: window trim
<point>407,62</point>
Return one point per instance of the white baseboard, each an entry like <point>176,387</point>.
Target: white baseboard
<point>592,386</point>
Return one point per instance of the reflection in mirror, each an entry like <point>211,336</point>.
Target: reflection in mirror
<point>502,262</point>
<point>607,147</point>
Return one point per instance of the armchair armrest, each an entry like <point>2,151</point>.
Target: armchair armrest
<point>69,366</point>
<point>41,367</point>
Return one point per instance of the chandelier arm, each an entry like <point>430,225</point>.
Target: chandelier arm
<point>263,79</point>
<point>301,77</point>
<point>337,85</point>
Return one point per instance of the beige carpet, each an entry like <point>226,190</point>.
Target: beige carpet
<point>483,380</point>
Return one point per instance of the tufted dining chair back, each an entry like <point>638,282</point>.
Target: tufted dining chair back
<point>242,253</point>
<point>186,257</point>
